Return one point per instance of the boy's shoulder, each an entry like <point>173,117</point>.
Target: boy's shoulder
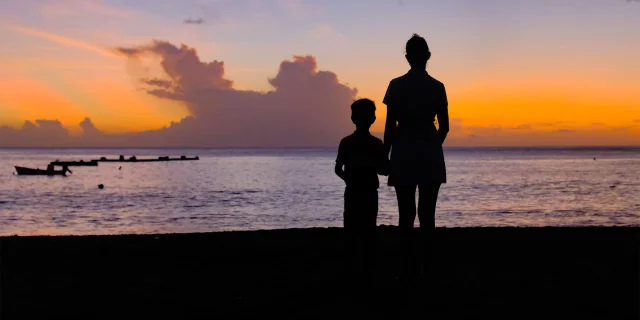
<point>375,140</point>
<point>396,81</point>
<point>346,139</point>
<point>358,139</point>
<point>399,78</point>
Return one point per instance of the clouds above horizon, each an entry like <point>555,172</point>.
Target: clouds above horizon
<point>51,133</point>
<point>560,133</point>
<point>306,107</point>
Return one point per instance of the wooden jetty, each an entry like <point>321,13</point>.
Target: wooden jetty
<point>93,163</point>
<point>159,159</point>
<point>81,163</point>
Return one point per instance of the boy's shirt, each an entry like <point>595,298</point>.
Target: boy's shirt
<point>363,158</point>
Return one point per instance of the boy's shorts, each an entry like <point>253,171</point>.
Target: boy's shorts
<point>360,208</point>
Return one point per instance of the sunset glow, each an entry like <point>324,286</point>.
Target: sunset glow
<point>536,73</point>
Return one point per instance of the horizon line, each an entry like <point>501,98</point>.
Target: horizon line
<point>325,147</point>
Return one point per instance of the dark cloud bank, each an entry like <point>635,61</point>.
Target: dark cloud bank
<point>306,107</point>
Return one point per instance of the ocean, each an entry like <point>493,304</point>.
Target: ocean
<point>248,189</point>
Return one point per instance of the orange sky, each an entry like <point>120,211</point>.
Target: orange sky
<point>580,81</point>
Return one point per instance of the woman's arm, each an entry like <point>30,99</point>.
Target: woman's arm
<point>390,124</point>
<point>443,117</point>
<point>340,171</point>
<point>389,131</point>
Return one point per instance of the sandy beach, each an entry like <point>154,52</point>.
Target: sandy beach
<point>297,273</point>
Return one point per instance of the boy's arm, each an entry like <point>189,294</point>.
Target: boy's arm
<point>383,160</point>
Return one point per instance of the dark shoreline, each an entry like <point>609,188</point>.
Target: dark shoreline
<point>577,272</point>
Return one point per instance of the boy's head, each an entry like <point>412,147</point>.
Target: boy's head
<point>417,52</point>
<point>363,113</point>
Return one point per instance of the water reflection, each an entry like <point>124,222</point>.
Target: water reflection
<point>264,189</point>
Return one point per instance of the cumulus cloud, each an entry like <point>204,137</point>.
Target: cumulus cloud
<point>307,106</point>
<point>89,129</point>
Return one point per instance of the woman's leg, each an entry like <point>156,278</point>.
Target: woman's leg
<point>428,197</point>
<point>407,211</point>
<point>406,205</point>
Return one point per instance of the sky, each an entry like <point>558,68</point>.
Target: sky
<point>282,73</point>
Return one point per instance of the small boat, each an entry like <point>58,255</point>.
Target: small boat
<point>38,172</point>
<point>81,163</point>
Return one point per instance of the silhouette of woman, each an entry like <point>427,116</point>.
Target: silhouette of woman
<point>413,102</point>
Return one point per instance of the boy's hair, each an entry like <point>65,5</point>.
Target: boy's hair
<point>363,111</point>
<point>417,46</point>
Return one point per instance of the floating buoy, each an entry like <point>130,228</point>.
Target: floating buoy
<point>101,186</point>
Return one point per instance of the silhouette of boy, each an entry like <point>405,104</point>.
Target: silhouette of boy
<point>361,158</point>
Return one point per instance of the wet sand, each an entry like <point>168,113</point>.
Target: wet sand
<point>297,273</point>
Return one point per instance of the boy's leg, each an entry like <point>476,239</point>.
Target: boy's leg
<point>369,225</point>
<point>358,204</point>
<point>350,227</point>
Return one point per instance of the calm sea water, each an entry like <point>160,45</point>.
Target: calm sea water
<point>266,189</point>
